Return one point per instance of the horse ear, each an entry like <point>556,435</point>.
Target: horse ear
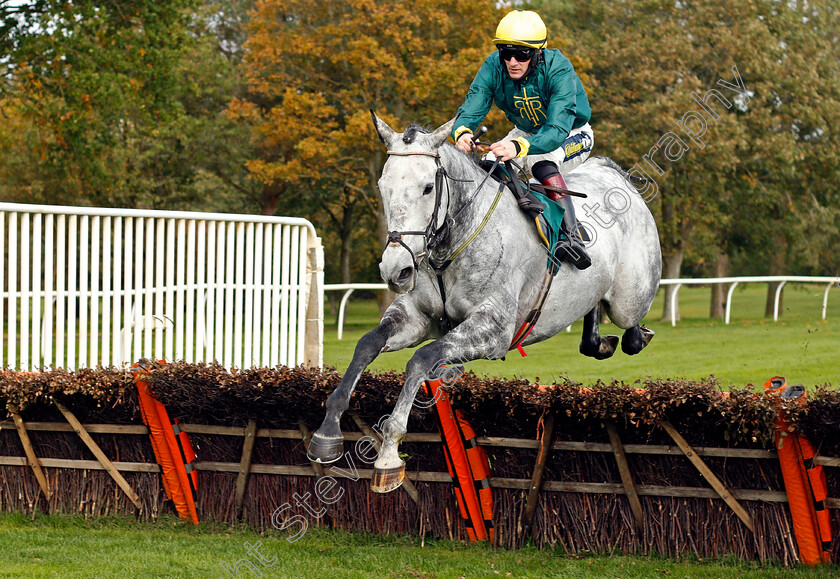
<point>442,133</point>
<point>386,134</point>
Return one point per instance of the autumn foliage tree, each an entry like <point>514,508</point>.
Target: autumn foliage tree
<point>316,69</point>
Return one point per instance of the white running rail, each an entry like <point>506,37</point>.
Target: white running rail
<point>830,282</point>
<point>81,287</point>
<point>780,279</point>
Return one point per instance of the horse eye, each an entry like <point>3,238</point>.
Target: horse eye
<point>428,189</point>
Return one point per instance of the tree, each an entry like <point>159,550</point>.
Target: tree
<point>94,79</point>
<point>722,162</point>
<point>212,73</point>
<point>648,58</point>
<point>316,69</point>
<point>121,104</point>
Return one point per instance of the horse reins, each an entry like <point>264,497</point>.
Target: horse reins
<point>436,234</point>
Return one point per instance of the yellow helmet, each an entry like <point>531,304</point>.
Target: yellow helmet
<point>522,28</point>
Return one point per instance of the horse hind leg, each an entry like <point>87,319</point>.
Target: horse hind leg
<point>635,339</point>
<point>592,344</point>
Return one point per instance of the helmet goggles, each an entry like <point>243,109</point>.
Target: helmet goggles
<point>520,53</point>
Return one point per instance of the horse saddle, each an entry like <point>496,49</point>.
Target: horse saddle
<point>546,214</point>
<point>526,198</point>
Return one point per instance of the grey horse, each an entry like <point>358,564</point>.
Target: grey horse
<point>436,198</point>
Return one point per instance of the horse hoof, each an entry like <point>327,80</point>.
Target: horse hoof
<point>324,449</point>
<point>386,480</point>
<point>608,346</point>
<point>600,350</point>
<point>635,339</point>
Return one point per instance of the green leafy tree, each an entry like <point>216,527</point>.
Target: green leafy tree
<point>123,104</point>
<point>95,80</point>
<point>211,73</point>
<point>725,185</point>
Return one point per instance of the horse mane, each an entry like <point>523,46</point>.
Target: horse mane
<point>411,131</point>
<point>610,164</point>
<point>467,163</point>
<point>414,129</point>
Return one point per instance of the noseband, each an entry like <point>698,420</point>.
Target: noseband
<point>434,234</point>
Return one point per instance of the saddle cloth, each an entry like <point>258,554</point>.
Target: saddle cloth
<point>547,219</point>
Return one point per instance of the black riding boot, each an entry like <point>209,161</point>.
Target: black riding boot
<point>570,247</point>
<point>573,250</point>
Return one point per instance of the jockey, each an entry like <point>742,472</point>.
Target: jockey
<point>540,93</point>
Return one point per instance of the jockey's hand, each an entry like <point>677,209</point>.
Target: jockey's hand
<point>504,150</point>
<point>465,143</point>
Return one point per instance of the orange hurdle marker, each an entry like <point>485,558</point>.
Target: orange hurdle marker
<point>467,463</point>
<point>805,482</point>
<point>176,482</point>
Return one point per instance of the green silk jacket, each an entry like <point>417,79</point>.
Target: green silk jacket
<point>548,102</point>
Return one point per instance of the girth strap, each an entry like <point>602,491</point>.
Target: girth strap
<point>445,322</point>
<point>533,315</point>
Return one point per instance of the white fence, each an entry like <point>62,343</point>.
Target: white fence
<point>780,279</point>
<point>83,286</point>
<point>830,282</point>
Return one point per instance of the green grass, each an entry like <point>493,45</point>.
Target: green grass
<point>69,547</point>
<point>800,346</point>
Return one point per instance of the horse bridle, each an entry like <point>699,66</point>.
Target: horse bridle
<point>436,234</point>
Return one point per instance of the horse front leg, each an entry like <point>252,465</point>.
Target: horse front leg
<point>483,335</point>
<point>397,330</point>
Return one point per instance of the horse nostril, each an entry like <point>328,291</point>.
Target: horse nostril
<point>404,274</point>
